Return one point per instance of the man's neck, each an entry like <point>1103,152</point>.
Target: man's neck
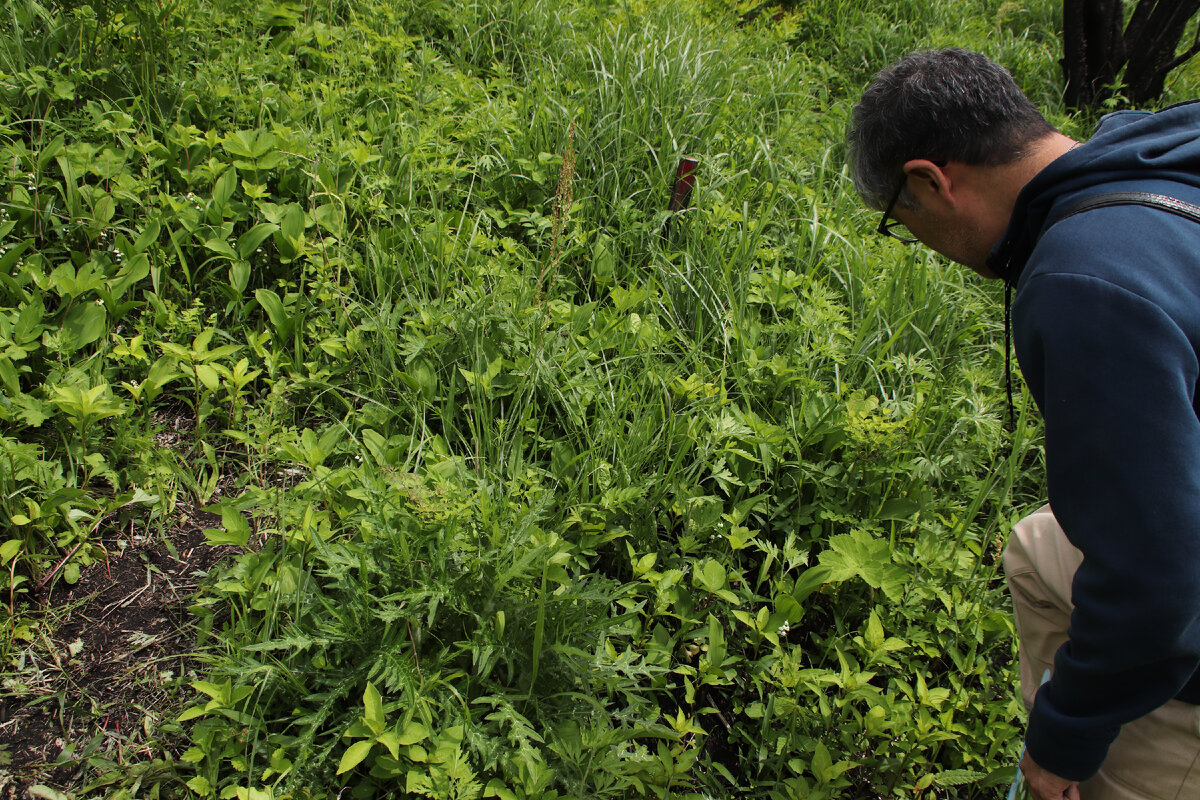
<point>999,186</point>
<point>1011,178</point>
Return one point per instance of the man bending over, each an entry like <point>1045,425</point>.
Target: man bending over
<point>1099,244</point>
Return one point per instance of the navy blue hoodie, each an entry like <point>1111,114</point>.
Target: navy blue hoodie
<point>1106,322</point>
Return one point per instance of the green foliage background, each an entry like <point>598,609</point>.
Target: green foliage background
<point>536,493</point>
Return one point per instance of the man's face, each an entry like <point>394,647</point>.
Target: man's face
<point>955,211</point>
<point>959,235</point>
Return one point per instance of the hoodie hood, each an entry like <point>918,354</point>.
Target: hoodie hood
<point>1138,149</point>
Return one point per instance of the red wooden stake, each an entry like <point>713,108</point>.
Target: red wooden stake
<point>685,179</point>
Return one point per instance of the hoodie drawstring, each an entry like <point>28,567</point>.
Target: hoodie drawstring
<point>1008,383</point>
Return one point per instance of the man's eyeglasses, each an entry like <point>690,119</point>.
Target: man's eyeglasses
<point>894,227</point>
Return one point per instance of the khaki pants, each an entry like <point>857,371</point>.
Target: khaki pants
<point>1156,757</point>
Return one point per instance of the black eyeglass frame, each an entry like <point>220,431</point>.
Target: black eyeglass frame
<point>886,226</point>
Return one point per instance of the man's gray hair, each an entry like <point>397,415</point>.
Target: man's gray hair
<point>943,105</point>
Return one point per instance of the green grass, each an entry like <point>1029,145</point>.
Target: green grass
<point>534,496</point>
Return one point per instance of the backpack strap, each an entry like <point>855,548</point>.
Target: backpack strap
<point>1165,202</point>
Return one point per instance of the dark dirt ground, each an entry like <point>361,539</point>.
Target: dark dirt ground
<point>109,664</point>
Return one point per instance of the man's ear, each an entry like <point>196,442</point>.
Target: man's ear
<point>929,182</point>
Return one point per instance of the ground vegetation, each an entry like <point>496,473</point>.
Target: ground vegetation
<point>371,424</point>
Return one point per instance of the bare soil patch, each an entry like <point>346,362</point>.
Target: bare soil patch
<point>101,682</point>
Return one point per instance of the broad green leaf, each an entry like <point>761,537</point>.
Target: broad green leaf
<point>137,268</point>
<point>822,763</point>
<point>208,376</point>
<point>30,321</point>
<point>223,188</point>
<point>64,90</point>
<point>236,528</point>
<point>217,691</point>
<point>603,262</point>
<point>716,642</point>
<point>373,708</point>
<point>148,236</point>
<point>789,608</point>
<point>9,549</point>
<point>239,275</point>
<point>12,255</point>
<point>276,312</point>
<point>354,755</point>
<point>413,732</point>
<point>221,247</point>
<point>192,713</point>
<point>291,226</point>
<point>9,377</point>
<point>103,211</point>
<point>873,635</point>
<point>249,241</point>
<point>249,144</point>
<point>330,216</point>
<point>70,187</point>
<point>141,497</point>
<point>391,741</point>
<point>898,508</point>
<point>712,575</point>
<point>496,788</point>
<point>84,324</point>
<point>162,372</point>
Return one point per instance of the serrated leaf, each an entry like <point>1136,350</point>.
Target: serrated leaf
<point>958,777</point>
<point>859,554</point>
<point>200,786</point>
